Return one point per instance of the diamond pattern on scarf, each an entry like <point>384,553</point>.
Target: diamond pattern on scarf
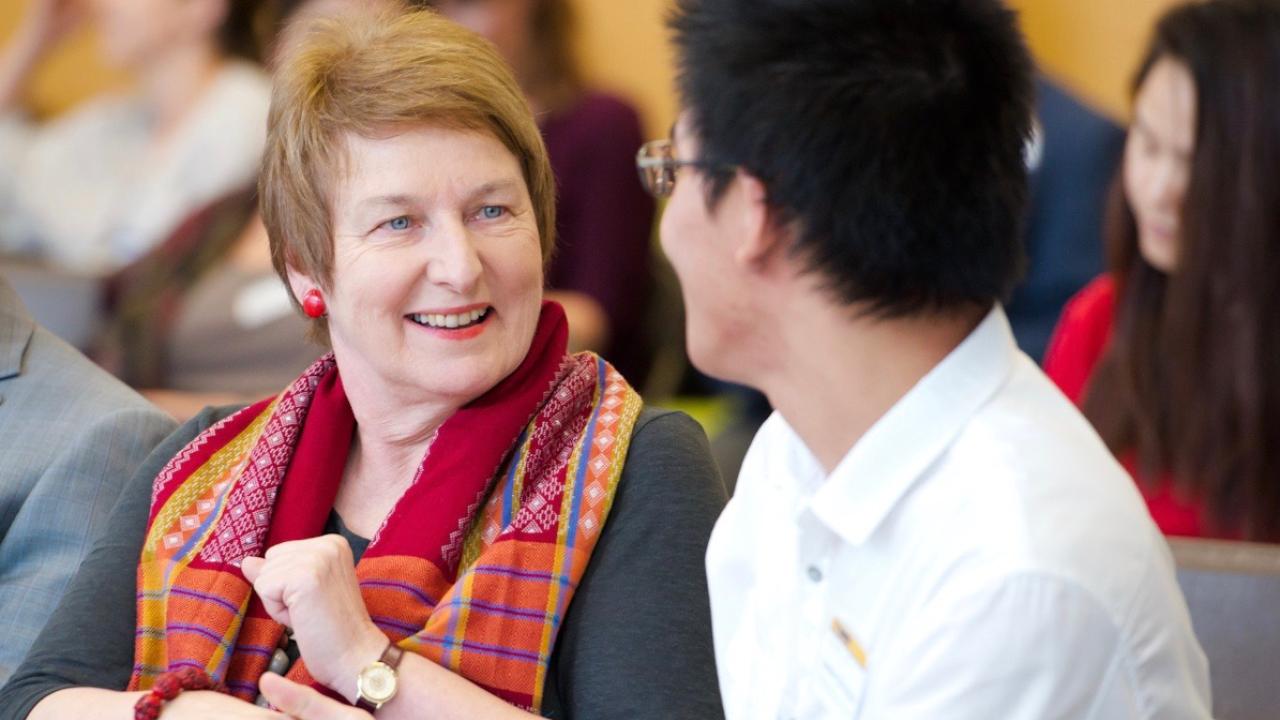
<point>596,490</point>
<point>452,552</point>
<point>184,456</point>
<point>241,531</point>
<point>548,457</point>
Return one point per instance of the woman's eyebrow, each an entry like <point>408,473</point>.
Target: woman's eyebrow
<point>494,187</point>
<point>398,200</point>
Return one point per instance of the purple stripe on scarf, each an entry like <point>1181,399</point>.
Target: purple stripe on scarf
<point>404,587</point>
<point>496,609</point>
<point>242,685</point>
<point>498,570</point>
<point>485,649</point>
<point>197,630</point>
<point>205,596</point>
<point>383,621</point>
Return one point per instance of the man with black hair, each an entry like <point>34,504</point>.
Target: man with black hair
<point>925,528</point>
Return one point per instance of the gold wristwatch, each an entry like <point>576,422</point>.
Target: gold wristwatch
<point>378,681</point>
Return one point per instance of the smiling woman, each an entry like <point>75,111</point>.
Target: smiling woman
<point>431,225</point>
<point>448,516</point>
<point>1175,353</point>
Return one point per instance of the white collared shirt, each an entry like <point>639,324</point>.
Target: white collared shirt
<point>978,554</point>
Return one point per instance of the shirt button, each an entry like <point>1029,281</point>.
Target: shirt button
<point>815,574</point>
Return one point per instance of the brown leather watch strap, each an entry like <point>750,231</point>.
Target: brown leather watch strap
<point>392,656</point>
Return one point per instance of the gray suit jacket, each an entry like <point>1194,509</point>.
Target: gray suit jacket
<point>70,436</point>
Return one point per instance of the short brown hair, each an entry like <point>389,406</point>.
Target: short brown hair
<point>367,73</point>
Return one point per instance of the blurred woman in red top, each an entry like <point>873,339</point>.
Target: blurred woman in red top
<point>1175,355</point>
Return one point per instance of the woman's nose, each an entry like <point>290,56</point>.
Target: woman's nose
<point>453,260</point>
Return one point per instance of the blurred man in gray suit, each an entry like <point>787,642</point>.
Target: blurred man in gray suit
<point>70,435</point>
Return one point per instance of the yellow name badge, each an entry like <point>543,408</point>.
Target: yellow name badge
<point>850,643</point>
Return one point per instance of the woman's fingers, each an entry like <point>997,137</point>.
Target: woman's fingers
<point>252,568</point>
<point>270,587</point>
<point>303,703</point>
<point>311,586</point>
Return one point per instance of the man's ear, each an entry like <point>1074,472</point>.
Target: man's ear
<point>759,235</point>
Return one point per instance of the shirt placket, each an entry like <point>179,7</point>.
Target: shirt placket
<point>815,550</point>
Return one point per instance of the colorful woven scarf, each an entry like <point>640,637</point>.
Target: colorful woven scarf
<point>474,567</point>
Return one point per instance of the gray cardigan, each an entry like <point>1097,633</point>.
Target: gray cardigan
<point>70,435</point>
<point>636,641</point>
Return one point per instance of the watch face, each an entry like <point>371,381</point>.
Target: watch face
<point>377,683</point>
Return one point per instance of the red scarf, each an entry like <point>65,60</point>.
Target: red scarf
<point>482,591</point>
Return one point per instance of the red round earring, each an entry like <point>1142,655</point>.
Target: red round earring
<point>313,303</point>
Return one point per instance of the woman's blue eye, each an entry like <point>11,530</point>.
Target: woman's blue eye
<point>492,212</point>
<point>400,223</point>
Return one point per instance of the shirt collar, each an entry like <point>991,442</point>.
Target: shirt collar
<point>16,327</point>
<point>900,447</point>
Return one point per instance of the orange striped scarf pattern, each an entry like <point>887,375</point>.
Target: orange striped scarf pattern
<point>482,590</point>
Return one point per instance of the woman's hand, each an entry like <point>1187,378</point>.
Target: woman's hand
<point>302,703</point>
<point>310,586</point>
<point>206,704</point>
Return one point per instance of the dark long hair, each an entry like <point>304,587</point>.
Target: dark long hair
<point>1191,382</point>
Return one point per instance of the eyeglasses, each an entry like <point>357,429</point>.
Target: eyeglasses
<point>657,164</point>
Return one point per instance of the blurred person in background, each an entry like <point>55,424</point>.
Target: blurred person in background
<point>1072,157</point>
<point>1174,354</point>
<point>203,319</point>
<point>95,189</point>
<point>601,272</point>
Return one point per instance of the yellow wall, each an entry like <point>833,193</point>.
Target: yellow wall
<point>1092,45</point>
<point>70,74</point>
<point>623,46</point>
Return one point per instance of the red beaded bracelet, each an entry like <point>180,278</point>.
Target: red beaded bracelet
<point>167,687</point>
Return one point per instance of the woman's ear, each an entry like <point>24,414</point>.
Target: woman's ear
<point>299,283</point>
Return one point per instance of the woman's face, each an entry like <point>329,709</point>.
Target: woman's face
<point>1157,159</point>
<point>437,272</point>
<point>508,24</point>
<point>134,33</point>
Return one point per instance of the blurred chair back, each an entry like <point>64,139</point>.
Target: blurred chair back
<point>1233,592</point>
